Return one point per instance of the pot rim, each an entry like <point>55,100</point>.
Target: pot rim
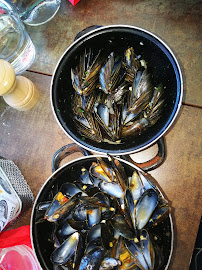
<point>92,148</point>
<point>79,160</point>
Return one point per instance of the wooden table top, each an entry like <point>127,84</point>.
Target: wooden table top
<point>31,138</point>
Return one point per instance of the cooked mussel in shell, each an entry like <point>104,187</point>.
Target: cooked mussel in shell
<point>113,227</point>
<point>115,96</point>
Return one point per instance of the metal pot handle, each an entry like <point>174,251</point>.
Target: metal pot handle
<point>86,30</point>
<point>65,151</point>
<point>155,161</point>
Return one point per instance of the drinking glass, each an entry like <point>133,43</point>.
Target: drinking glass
<point>36,12</point>
<point>16,45</point>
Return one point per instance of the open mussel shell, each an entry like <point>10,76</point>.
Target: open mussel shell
<point>136,252</point>
<point>64,252</point>
<point>85,177</point>
<point>111,188</point>
<point>109,263</point>
<point>142,251</point>
<point>43,206</point>
<point>106,238</point>
<point>97,171</point>
<point>94,216</point>
<point>147,249</point>
<point>160,214</point>
<point>135,186</point>
<point>145,207</point>
<point>65,230</point>
<point>101,233</point>
<point>120,224</point>
<point>97,242</point>
<point>58,210</point>
<point>91,214</point>
<point>129,209</point>
<point>69,190</point>
<point>78,225</point>
<point>93,259</point>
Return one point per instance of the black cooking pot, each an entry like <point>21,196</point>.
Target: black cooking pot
<point>41,232</point>
<point>162,65</point>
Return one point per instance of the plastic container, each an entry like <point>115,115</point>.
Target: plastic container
<point>19,257</point>
<point>10,203</point>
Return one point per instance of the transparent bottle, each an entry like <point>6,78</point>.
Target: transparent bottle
<point>16,46</point>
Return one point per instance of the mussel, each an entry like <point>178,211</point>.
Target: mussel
<point>115,96</point>
<point>112,227</point>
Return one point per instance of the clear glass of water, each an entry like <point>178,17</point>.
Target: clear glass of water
<point>16,45</point>
<point>36,12</point>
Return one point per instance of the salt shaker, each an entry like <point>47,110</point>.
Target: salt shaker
<point>18,91</point>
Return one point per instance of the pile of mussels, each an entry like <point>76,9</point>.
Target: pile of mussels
<point>114,96</point>
<point>104,219</point>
